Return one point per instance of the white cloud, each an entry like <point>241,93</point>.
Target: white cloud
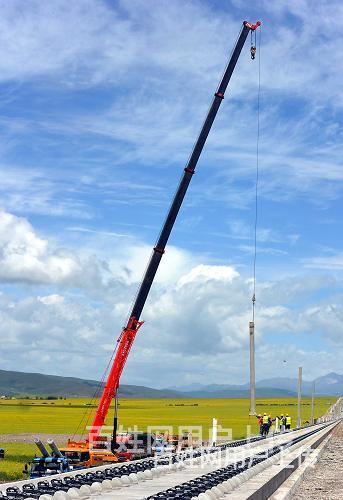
<point>196,331</point>
<point>51,299</point>
<point>144,75</point>
<point>205,273</point>
<point>33,190</point>
<point>193,332</point>
<point>57,46</point>
<point>98,232</point>
<point>197,315</point>
<point>28,258</point>
<point>93,42</point>
<point>327,262</point>
<point>240,230</point>
<point>129,261</point>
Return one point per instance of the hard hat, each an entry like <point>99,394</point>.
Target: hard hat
<point>286,414</point>
<point>281,415</point>
<point>264,414</point>
<point>259,415</point>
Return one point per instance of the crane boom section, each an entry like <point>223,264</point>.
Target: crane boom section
<point>128,334</point>
<point>158,250</point>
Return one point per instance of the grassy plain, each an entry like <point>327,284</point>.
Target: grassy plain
<point>69,417</point>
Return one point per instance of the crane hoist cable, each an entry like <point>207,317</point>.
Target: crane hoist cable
<point>86,415</point>
<point>253,52</point>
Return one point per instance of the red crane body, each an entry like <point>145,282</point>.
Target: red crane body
<point>128,334</point>
<point>125,342</point>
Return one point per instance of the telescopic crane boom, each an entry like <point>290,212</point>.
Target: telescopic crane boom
<point>129,332</point>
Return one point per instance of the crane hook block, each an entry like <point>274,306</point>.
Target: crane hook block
<point>253,51</point>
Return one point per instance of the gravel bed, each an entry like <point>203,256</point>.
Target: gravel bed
<point>325,479</point>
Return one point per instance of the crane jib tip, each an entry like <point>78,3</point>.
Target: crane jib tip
<point>253,27</point>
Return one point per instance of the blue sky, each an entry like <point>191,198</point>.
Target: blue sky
<point>100,103</point>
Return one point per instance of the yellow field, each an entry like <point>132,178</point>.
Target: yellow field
<point>35,417</point>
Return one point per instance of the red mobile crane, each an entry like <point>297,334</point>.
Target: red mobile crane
<point>129,332</point>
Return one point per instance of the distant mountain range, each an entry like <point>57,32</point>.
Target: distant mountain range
<point>36,384</point>
<point>329,385</point>
<point>237,392</point>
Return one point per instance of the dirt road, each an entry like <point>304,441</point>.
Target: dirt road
<point>29,438</point>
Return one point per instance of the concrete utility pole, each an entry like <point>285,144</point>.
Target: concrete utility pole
<point>299,396</point>
<point>312,402</point>
<point>252,368</point>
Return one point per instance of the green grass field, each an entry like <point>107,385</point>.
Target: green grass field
<point>17,454</point>
<point>64,416</point>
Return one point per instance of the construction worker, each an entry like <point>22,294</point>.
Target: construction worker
<point>270,422</point>
<point>260,423</point>
<point>281,422</point>
<point>288,422</point>
<point>265,424</point>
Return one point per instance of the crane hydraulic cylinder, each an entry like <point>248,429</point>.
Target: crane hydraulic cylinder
<point>41,448</point>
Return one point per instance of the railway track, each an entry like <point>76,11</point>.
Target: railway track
<point>204,473</point>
